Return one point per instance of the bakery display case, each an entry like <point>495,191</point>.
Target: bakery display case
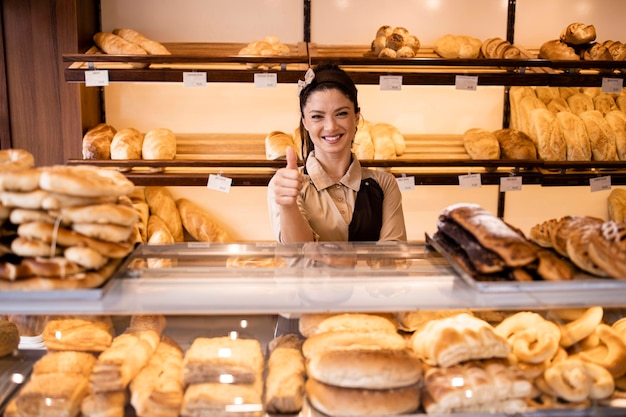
<point>243,290</point>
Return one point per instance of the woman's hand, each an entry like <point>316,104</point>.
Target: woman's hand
<point>288,181</point>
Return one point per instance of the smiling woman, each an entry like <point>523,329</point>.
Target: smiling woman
<point>332,198</point>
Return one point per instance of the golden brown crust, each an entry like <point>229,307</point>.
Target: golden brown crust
<point>162,203</point>
<point>284,383</point>
<point>97,142</point>
<point>9,337</point>
<point>83,334</point>
<point>200,224</point>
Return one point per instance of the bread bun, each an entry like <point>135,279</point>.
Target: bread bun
<point>350,402</point>
<point>384,30</point>
<point>356,322</point>
<point>351,340</point>
<point>366,368</point>
<point>578,34</point>
<point>378,44</point>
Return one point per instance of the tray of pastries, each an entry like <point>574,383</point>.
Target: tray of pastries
<point>572,252</point>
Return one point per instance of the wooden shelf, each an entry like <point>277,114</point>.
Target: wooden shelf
<point>223,64</point>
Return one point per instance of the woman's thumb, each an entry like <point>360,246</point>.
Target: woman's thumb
<point>292,159</point>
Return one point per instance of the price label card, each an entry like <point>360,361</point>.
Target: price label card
<point>466,82</point>
<point>219,183</point>
<point>600,183</point>
<point>265,80</point>
<point>612,85</point>
<point>391,82</point>
<point>511,184</point>
<point>97,78</point>
<point>469,181</point>
<point>194,79</point>
<point>406,183</point>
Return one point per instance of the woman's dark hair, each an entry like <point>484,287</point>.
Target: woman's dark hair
<point>327,76</point>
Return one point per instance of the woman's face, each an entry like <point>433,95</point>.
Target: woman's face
<point>331,121</point>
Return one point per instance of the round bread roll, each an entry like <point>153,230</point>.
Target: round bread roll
<point>384,30</point>
<point>481,144</point>
<point>405,52</point>
<point>578,34</point>
<point>9,337</point>
<point>395,41</point>
<point>351,402</point>
<point>412,42</point>
<point>378,44</point>
<point>351,340</point>
<point>16,159</point>
<point>368,369</point>
<point>159,143</point>
<point>387,53</point>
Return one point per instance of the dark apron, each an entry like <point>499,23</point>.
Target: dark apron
<point>367,219</point>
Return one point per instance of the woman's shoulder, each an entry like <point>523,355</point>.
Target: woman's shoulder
<point>383,178</point>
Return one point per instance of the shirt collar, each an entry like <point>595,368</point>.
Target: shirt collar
<point>321,180</point>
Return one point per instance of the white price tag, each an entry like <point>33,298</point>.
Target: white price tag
<point>194,79</point>
<point>406,183</point>
<point>600,183</point>
<point>469,181</point>
<point>391,82</point>
<point>612,85</point>
<point>265,80</point>
<point>511,184</point>
<point>97,78</point>
<point>466,82</point>
<point>219,183</point>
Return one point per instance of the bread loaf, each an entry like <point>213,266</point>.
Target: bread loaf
<point>604,103</point>
<point>116,45</point>
<point>204,360</point>
<point>601,136</point>
<point>127,144</point>
<point>547,94</point>
<point>481,144</point>
<point>578,34</point>
<point>547,135</point>
<point>617,205</point>
<point>162,203</point>
<point>576,137</point>
<point>457,46</point>
<point>556,50</point>
<point>9,337</point>
<point>617,122</point>
<point>159,143</point>
<point>276,144</point>
<point>215,399</point>
<point>580,102</point>
<point>97,142</point>
<point>200,224</point>
<point>363,145</point>
<point>516,94</point>
<point>148,45</point>
<point>83,334</point>
<point>383,133</point>
<point>284,383</point>
<point>515,144</point>
<point>558,105</point>
<point>526,105</point>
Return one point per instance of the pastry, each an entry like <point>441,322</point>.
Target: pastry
<point>84,333</point>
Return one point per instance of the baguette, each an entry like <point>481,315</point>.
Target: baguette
<point>150,46</point>
<point>200,224</point>
<point>162,203</point>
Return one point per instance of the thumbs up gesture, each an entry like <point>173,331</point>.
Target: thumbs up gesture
<point>288,181</point>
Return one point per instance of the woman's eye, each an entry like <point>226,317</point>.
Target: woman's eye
<point>316,117</point>
<point>342,114</point>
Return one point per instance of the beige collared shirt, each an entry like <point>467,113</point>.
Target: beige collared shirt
<point>328,206</point>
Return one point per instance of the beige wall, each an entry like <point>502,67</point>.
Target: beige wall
<point>242,108</point>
